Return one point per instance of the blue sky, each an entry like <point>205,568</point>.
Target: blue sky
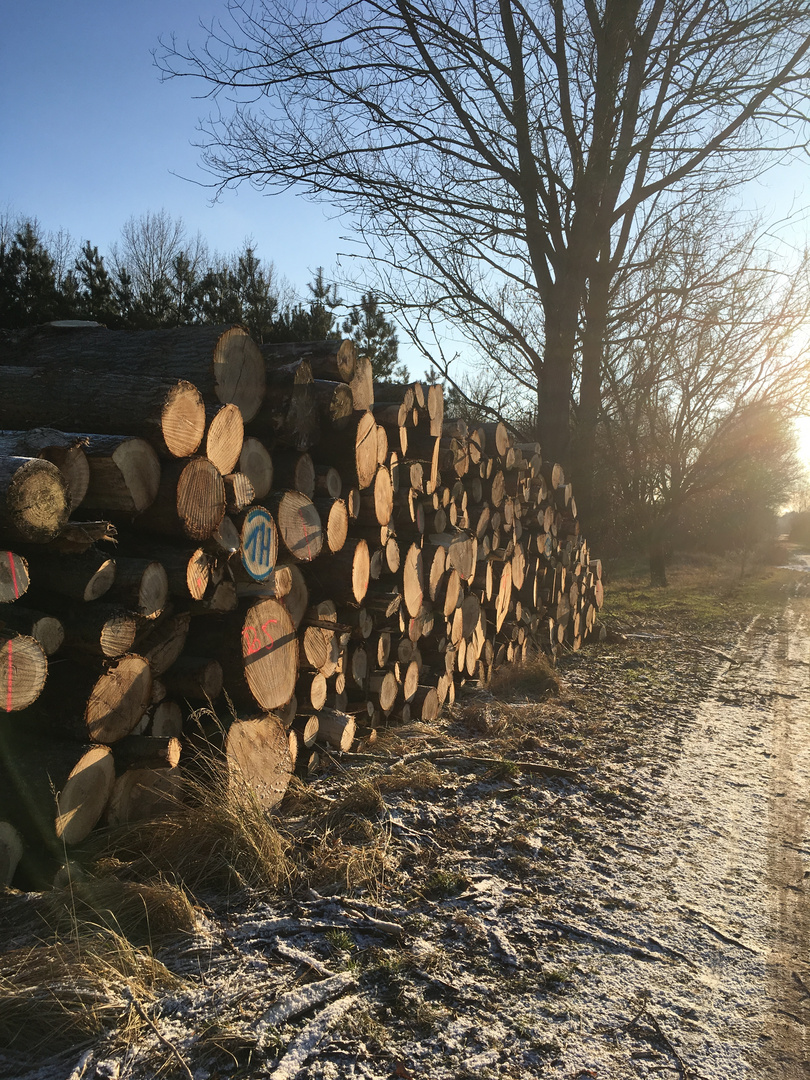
<point>92,137</point>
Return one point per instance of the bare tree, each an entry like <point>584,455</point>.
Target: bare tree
<point>702,376</point>
<point>148,253</point>
<point>496,154</point>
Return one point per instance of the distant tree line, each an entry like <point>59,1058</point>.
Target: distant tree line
<point>159,276</point>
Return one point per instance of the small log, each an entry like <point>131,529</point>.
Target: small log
<point>146,752</point>
<point>34,499</point>
<point>331,359</point>
<point>44,628</point>
<point>124,473</point>
<point>99,629</point>
<point>162,642</point>
<point>23,669</point>
<point>13,576</point>
<point>257,464</point>
<point>294,471</point>
<point>142,585</point>
<point>333,511</point>
<point>224,436</point>
<point>80,577</point>
<point>190,501</point>
<point>239,492</point>
<point>336,728</point>
<point>194,678</point>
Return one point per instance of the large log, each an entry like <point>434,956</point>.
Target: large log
<point>169,413</point>
<point>221,361</point>
<point>56,790</point>
<point>299,524</point>
<point>101,707</point>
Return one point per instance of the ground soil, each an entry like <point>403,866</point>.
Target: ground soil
<point>639,908</point>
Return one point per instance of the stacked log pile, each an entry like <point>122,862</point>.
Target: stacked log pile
<point>217,548</point>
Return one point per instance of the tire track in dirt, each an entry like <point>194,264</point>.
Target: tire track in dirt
<point>789,852</point>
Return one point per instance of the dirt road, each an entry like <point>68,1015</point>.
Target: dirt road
<point>717,870</point>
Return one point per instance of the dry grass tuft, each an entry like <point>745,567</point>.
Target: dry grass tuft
<point>533,679</point>
<point>62,996</point>
<point>357,865</point>
<point>222,837</point>
<point>145,914</point>
<point>414,776</point>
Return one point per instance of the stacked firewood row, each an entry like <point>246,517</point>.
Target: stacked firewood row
<point>216,548</point>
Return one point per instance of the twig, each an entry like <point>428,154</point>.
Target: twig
<point>635,949</point>
<point>685,1071</point>
<point>81,1066</point>
<point>300,957</point>
<point>169,1045</point>
<point>304,1046</point>
<point>699,917</point>
<point>301,1001</point>
<point>462,760</point>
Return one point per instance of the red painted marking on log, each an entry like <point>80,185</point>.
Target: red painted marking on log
<point>253,642</point>
<point>9,680</point>
<point>266,632</point>
<point>13,574</point>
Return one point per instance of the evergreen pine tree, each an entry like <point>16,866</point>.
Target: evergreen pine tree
<point>375,337</point>
<point>29,292</point>
<point>95,297</point>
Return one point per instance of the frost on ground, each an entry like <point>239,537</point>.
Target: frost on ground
<point>643,913</point>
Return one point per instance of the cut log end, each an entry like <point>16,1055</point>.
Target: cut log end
<point>23,669</point>
<point>258,756</point>
<point>85,794</point>
<point>37,504</point>
<point>182,420</point>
